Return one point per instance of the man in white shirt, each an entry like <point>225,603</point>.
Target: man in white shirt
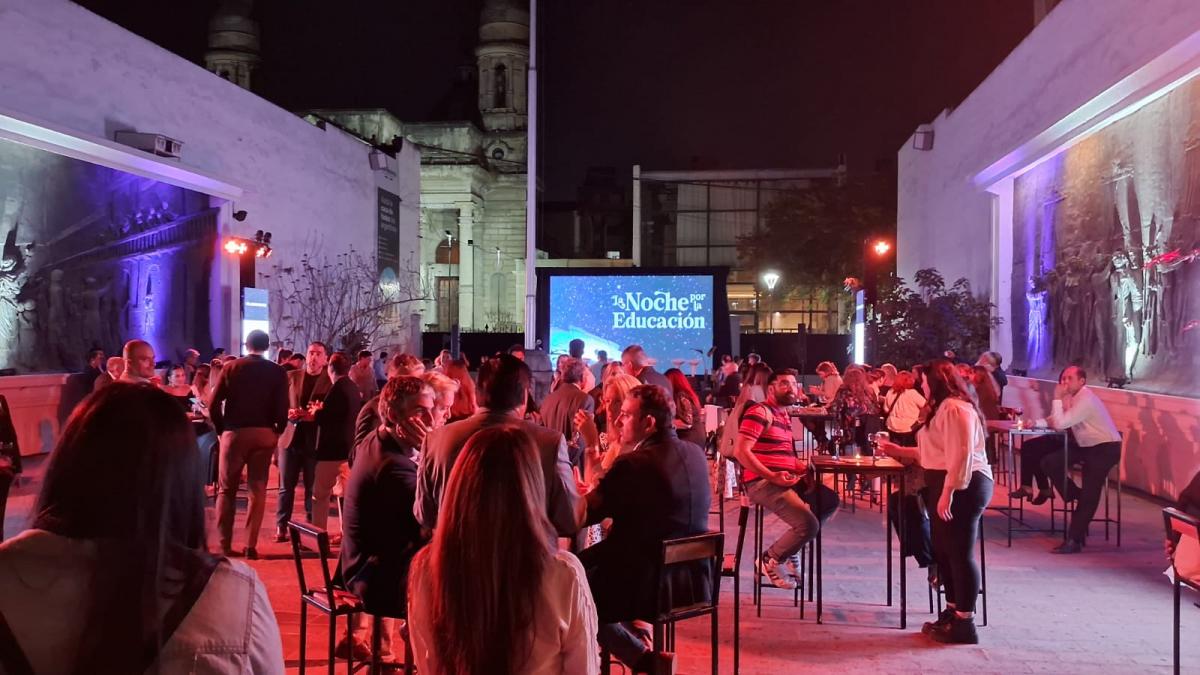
<point>1092,440</point>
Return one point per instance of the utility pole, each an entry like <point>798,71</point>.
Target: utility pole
<point>531,189</point>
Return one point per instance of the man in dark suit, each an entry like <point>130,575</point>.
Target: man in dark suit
<point>559,408</point>
<point>504,386</point>
<point>299,458</point>
<point>380,535</point>
<point>638,365</point>
<point>334,417</point>
<point>656,492</point>
<point>249,410</point>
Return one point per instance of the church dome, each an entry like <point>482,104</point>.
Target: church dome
<point>504,21</point>
<point>232,30</point>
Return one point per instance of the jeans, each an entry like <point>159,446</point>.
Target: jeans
<point>250,448</point>
<point>794,506</point>
<point>294,463</point>
<point>954,542</point>
<point>1096,462</point>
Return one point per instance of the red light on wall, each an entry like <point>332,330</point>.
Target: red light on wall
<point>235,246</point>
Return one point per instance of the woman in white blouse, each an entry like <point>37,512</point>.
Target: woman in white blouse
<point>951,450</point>
<point>490,594</point>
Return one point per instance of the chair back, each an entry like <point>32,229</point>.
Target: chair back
<point>314,539</point>
<point>688,552</point>
<point>1180,525</point>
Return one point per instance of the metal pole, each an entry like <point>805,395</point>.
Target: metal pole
<point>531,189</point>
<point>637,215</point>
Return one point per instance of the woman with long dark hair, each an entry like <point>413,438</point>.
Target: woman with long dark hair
<point>689,414</point>
<point>490,594</point>
<point>950,447</point>
<point>114,576</point>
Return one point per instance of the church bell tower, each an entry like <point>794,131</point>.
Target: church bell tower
<point>233,45</point>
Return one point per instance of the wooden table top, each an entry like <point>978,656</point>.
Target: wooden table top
<point>828,464</point>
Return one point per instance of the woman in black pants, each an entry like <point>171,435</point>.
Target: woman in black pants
<point>951,449</point>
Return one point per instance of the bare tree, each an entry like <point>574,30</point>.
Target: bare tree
<point>342,300</point>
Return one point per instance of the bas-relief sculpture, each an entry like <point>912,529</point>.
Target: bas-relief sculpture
<point>94,257</point>
<point>1105,247</point>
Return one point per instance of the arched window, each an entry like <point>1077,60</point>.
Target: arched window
<point>500,87</point>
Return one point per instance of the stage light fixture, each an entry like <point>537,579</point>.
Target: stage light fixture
<point>882,247</point>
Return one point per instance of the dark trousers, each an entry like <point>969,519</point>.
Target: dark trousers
<point>1096,461</point>
<point>954,542</point>
<point>294,463</point>
<point>817,429</point>
<point>1036,449</point>
<point>915,539</point>
<point>7,476</point>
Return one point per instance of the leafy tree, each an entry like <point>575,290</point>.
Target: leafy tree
<point>815,235</point>
<point>912,325</point>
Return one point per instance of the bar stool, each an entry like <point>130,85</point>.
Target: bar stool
<point>677,553</point>
<point>732,567</point>
<point>1179,524</point>
<point>982,578</point>
<point>1108,519</point>
<point>331,600</point>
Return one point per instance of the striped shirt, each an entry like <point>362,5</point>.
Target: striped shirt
<point>771,430</point>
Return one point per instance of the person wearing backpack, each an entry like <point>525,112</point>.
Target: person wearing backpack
<point>774,478</point>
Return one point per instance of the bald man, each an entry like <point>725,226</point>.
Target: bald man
<point>139,361</point>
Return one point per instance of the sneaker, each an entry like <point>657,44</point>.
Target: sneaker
<point>772,570</point>
<point>958,631</point>
<point>794,566</point>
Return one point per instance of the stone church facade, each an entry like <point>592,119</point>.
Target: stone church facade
<point>473,180</point>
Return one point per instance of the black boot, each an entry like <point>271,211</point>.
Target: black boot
<point>958,631</point>
<point>943,619</point>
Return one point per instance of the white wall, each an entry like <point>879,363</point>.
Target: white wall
<point>63,64</point>
<point>1086,64</point>
<point>1081,49</point>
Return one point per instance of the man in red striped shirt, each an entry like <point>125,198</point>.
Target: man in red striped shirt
<point>773,476</point>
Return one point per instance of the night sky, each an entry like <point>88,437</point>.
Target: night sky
<point>669,84</point>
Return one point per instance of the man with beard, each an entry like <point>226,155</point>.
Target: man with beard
<point>773,477</point>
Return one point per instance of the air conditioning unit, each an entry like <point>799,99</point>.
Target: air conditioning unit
<point>155,144</point>
<point>613,255</point>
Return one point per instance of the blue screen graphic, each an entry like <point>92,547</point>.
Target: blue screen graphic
<point>670,316</point>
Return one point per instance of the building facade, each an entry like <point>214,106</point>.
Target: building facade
<point>473,181</point>
<point>694,218</point>
<point>1066,189</point>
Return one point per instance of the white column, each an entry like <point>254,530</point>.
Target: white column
<point>531,187</point>
<point>466,266</point>
<point>1002,249</point>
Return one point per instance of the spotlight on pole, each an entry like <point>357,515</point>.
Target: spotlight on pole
<point>882,247</point>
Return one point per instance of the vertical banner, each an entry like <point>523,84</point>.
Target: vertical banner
<point>387,238</point>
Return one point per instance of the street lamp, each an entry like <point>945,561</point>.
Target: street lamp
<point>771,279</point>
<point>882,247</point>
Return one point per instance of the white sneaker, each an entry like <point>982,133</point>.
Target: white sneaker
<point>793,566</point>
<point>772,570</point>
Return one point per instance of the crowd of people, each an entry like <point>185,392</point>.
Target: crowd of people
<point>511,536</point>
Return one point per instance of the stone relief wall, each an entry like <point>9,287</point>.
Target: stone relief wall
<point>1106,252</point>
<point>94,257</point>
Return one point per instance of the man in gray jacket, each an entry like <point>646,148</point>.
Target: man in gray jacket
<point>503,388</point>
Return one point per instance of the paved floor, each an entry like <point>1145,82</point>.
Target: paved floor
<point>1107,610</point>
